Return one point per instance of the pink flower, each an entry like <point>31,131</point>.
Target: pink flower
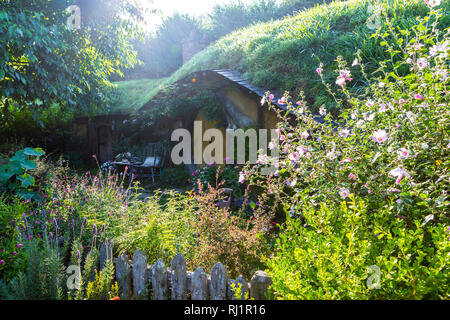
<point>319,70</point>
<point>402,101</point>
<point>344,193</point>
<point>19,245</point>
<point>271,97</point>
<point>294,156</point>
<point>340,81</point>
<point>399,173</point>
<point>344,75</point>
<point>351,176</point>
<point>344,133</point>
<point>282,137</point>
<point>298,103</point>
<point>2,261</point>
<point>282,100</point>
<point>241,177</point>
<point>380,136</point>
<point>433,3</point>
<point>418,96</point>
<point>403,153</point>
<point>422,63</point>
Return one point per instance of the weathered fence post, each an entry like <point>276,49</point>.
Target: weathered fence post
<point>105,254</point>
<point>199,285</point>
<point>239,282</point>
<point>218,289</point>
<point>159,281</point>
<point>259,284</point>
<point>123,274</point>
<point>139,274</point>
<point>179,279</point>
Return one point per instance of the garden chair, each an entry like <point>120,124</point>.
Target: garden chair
<point>155,157</point>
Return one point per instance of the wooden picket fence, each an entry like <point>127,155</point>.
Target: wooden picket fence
<point>137,279</point>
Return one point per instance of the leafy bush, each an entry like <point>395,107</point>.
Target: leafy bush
<point>16,170</point>
<point>367,191</point>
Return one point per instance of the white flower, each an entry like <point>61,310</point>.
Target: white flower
<point>241,177</point>
<point>399,173</point>
<point>344,133</point>
<point>441,49</point>
<point>370,103</point>
<point>271,145</point>
<point>424,146</point>
<point>354,115</point>
<point>427,219</point>
<point>355,62</point>
<point>443,74</point>
<point>322,111</point>
<point>422,63</point>
<point>383,108</point>
<point>359,123</point>
<point>331,155</point>
<point>381,84</point>
<point>380,136</point>
<point>294,156</point>
<point>433,3</point>
<point>305,134</point>
<point>403,153</point>
<point>368,117</point>
<point>344,193</point>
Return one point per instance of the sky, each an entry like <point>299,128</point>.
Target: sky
<point>191,7</point>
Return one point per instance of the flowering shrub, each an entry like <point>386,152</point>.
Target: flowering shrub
<point>369,187</point>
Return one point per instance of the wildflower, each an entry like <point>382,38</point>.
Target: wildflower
<point>418,96</point>
<point>422,63</point>
<point>241,177</point>
<point>344,193</point>
<point>433,3</point>
<point>354,115</point>
<point>381,84</point>
<point>380,136</point>
<point>424,146</point>
<point>282,100</point>
<point>271,97</point>
<point>443,74</point>
<point>403,153</point>
<point>368,116</point>
<point>19,245</point>
<point>344,133</point>
<point>301,150</point>
<point>2,262</point>
<point>355,62</point>
<point>305,135</point>
<point>271,145</point>
<point>263,100</point>
<point>14,253</point>
<point>344,75</point>
<point>294,156</point>
<point>402,101</point>
<point>331,155</point>
<point>322,111</point>
<point>399,173</point>
<point>383,108</point>
<point>351,176</point>
<point>298,103</point>
<point>282,137</point>
<point>347,160</point>
<point>370,103</point>
<point>319,70</point>
<point>212,164</point>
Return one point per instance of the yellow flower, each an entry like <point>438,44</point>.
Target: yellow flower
<point>438,162</point>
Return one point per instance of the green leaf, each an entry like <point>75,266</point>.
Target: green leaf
<point>29,165</point>
<point>34,152</point>
<point>26,180</point>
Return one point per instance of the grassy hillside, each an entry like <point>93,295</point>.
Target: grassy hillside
<point>133,94</point>
<point>279,55</point>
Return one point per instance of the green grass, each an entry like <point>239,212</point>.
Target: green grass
<point>133,94</point>
<point>283,55</point>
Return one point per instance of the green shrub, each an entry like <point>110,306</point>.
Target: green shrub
<point>371,194</point>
